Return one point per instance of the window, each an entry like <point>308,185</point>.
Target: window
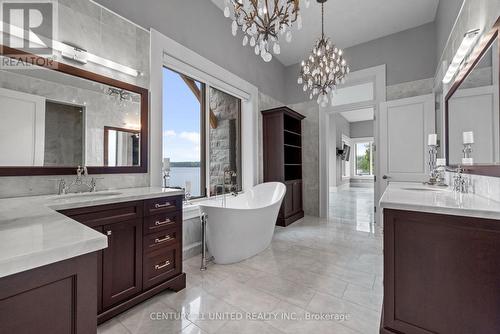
<point>364,159</point>
<point>225,140</point>
<point>186,120</point>
<point>183,130</point>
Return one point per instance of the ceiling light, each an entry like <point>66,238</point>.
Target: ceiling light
<point>465,47</point>
<point>263,22</point>
<point>324,69</point>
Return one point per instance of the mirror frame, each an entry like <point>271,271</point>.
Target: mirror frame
<point>477,54</point>
<point>106,138</point>
<point>84,74</point>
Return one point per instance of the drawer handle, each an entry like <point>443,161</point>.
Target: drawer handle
<point>159,223</point>
<point>166,205</point>
<point>161,266</point>
<point>160,240</point>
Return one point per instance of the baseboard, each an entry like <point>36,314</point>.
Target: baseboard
<point>284,222</point>
<point>191,250</point>
<point>175,284</point>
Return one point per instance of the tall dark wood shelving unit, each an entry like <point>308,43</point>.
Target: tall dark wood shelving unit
<point>282,132</point>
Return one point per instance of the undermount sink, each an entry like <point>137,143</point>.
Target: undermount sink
<point>87,195</point>
<point>424,189</point>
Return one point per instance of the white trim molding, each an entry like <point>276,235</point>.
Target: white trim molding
<point>377,75</point>
<point>165,52</point>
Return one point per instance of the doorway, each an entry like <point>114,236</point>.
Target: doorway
<point>355,108</point>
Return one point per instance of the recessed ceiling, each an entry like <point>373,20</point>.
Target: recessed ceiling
<point>352,22</point>
<point>358,115</point>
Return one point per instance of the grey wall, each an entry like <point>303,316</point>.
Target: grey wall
<point>361,129</point>
<point>409,55</point>
<point>446,15</point>
<point>202,27</point>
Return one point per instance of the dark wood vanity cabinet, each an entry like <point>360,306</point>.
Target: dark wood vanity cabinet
<point>282,138</point>
<point>441,274</point>
<point>122,262</point>
<point>144,253</point>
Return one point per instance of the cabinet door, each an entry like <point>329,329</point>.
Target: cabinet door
<point>288,200</point>
<point>297,196</point>
<point>122,262</point>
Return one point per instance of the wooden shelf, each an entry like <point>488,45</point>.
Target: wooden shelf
<point>294,146</point>
<point>293,132</point>
<point>282,143</point>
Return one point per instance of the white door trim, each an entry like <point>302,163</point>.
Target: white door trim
<point>377,75</point>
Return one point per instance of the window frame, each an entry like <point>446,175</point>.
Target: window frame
<point>354,167</point>
<point>205,137</point>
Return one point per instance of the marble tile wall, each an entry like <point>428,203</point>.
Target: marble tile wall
<point>191,237</point>
<point>310,155</point>
<point>87,25</point>
<point>100,108</point>
<point>475,14</point>
<point>410,89</point>
<point>99,31</point>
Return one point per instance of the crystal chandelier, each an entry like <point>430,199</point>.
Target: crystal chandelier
<point>263,22</point>
<point>324,69</point>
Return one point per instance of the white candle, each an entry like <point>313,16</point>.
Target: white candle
<point>441,162</point>
<point>468,137</point>
<point>432,139</point>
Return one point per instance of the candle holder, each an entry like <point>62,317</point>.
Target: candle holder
<point>166,178</point>
<point>467,154</point>
<point>433,171</point>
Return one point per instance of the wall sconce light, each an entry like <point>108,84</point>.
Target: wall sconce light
<point>72,52</point>
<point>462,52</point>
<point>82,56</point>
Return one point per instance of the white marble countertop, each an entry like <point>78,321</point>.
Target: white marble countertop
<point>421,198</point>
<point>34,234</point>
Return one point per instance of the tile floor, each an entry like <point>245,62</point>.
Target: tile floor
<point>322,267</point>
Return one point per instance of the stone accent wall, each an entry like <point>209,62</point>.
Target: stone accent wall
<point>225,141</point>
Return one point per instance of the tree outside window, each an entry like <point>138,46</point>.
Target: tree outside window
<point>364,159</point>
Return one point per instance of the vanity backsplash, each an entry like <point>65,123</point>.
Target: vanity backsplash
<point>484,186</point>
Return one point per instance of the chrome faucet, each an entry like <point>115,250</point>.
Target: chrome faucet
<point>82,174</point>
<point>461,183</point>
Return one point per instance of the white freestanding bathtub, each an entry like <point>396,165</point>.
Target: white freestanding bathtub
<point>245,226</point>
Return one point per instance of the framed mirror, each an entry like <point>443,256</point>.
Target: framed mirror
<point>472,115</point>
<point>55,117</point>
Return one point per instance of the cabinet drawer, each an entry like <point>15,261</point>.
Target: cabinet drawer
<point>106,214</point>
<point>161,205</point>
<point>162,222</point>
<point>161,265</point>
<point>162,239</point>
